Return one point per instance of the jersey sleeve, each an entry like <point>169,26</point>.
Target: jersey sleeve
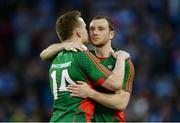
<point>128,76</point>
<point>91,66</point>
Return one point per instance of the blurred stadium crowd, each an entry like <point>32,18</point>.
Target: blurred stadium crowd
<point>148,29</point>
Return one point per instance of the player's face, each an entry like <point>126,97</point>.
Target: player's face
<point>100,33</point>
<point>85,38</point>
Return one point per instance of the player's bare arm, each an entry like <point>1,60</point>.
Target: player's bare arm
<point>50,52</point>
<point>118,101</point>
<point>114,81</point>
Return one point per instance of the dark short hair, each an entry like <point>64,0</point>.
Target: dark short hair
<point>66,24</point>
<point>110,23</point>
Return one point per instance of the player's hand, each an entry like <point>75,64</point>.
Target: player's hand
<point>82,90</point>
<point>121,54</point>
<point>74,46</point>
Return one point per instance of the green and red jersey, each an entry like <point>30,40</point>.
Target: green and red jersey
<point>104,114</point>
<point>67,68</point>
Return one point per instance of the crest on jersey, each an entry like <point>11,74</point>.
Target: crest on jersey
<point>110,67</point>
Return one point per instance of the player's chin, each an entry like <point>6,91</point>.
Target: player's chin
<point>97,44</point>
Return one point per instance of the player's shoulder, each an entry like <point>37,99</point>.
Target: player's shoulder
<point>85,55</point>
<point>62,53</point>
<point>129,65</point>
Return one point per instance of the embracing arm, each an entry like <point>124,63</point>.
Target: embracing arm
<point>118,101</point>
<point>115,80</point>
<point>49,53</point>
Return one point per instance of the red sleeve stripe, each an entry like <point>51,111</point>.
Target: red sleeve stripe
<point>130,78</point>
<point>105,71</point>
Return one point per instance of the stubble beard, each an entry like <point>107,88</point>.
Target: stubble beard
<point>101,44</point>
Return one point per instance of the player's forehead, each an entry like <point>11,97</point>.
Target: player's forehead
<point>99,22</point>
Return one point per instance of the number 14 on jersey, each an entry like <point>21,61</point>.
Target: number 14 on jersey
<point>64,78</point>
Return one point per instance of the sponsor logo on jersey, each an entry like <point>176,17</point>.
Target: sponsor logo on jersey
<point>63,65</point>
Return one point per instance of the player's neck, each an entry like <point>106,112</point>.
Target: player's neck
<point>104,51</point>
<point>75,39</point>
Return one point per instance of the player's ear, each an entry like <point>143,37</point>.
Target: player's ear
<point>111,35</point>
<point>78,32</point>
